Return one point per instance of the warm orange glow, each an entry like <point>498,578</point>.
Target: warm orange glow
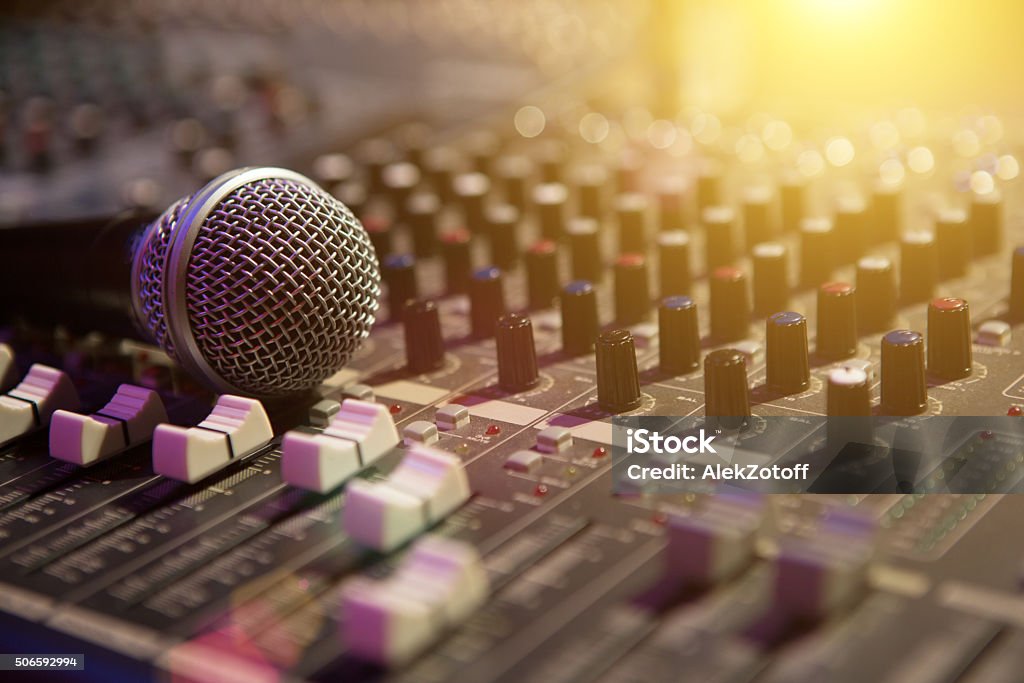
<point>812,58</point>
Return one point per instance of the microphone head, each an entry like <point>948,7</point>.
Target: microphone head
<point>260,284</point>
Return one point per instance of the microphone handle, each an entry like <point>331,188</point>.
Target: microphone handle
<point>75,274</point>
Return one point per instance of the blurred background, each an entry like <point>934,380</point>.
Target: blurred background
<point>106,103</point>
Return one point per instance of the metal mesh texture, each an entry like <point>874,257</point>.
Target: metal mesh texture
<point>282,287</point>
<point>149,283</point>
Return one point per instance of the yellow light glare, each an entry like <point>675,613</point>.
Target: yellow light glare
<point>982,182</point>
<point>661,134</point>
<point>891,172</point>
<point>749,149</point>
<point>810,163</point>
<point>839,151</point>
<point>991,129</point>
<point>1008,167</point>
<point>966,143</point>
<point>884,135</point>
<point>705,128</point>
<point>911,122</point>
<point>593,127</point>
<point>920,160</point>
<point>636,121</point>
<point>530,121</point>
<point>777,135</point>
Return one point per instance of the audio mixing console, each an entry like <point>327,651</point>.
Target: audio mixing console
<point>444,508</point>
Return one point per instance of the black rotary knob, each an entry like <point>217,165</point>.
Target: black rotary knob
<point>758,217</point>
<point>1016,311</point>
<point>771,278</point>
<point>590,188</point>
<point>674,263</point>
<point>379,230</point>
<point>886,213</point>
<point>987,223</point>
<point>632,290</point>
<point>486,301</point>
<point>375,154</point>
<point>678,335</point>
<point>579,317</point>
<point>850,224</point>
<point>876,295</point>
<point>904,385</point>
<point>837,320</point>
<point>817,251</point>
<point>709,186</point>
<point>517,356</point>
<point>788,365</point>
<point>471,190</point>
<point>950,354</point>
<point>483,147</point>
<point>553,156</point>
<point>585,249</point>
<point>400,180</point>
<point>631,210</point>
<point>424,345</point>
<point>421,211</point>
<point>550,200</point>
<point>953,244</point>
<point>399,274</point>
<point>719,234</point>
<point>514,174</point>
<point>730,304</point>
<point>628,171</point>
<point>919,267</point>
<point>503,226</point>
<point>618,380</point>
<point>440,164</point>
<point>848,407</point>
<point>542,274</point>
<point>726,393</point>
<point>455,251</point>
<point>849,393</point>
<point>671,204</point>
<point>792,202</point>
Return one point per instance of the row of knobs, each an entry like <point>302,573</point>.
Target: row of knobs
<point>906,359</point>
<point>925,258</point>
<point>844,312</point>
<point>905,365</point>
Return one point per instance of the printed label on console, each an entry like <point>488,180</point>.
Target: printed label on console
<point>812,454</point>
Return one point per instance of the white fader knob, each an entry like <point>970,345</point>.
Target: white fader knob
<point>438,585</point>
<point>128,419</point>
<point>8,372</point>
<point>30,405</point>
<point>426,487</point>
<point>236,427</point>
<point>357,436</point>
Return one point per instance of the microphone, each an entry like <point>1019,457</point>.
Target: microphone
<point>260,284</point>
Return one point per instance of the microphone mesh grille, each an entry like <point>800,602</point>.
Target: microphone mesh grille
<point>150,278</point>
<point>282,287</point>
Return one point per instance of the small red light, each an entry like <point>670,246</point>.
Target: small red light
<point>540,490</point>
<point>493,430</point>
<point>395,409</point>
<point>1015,411</point>
<point>599,452</point>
